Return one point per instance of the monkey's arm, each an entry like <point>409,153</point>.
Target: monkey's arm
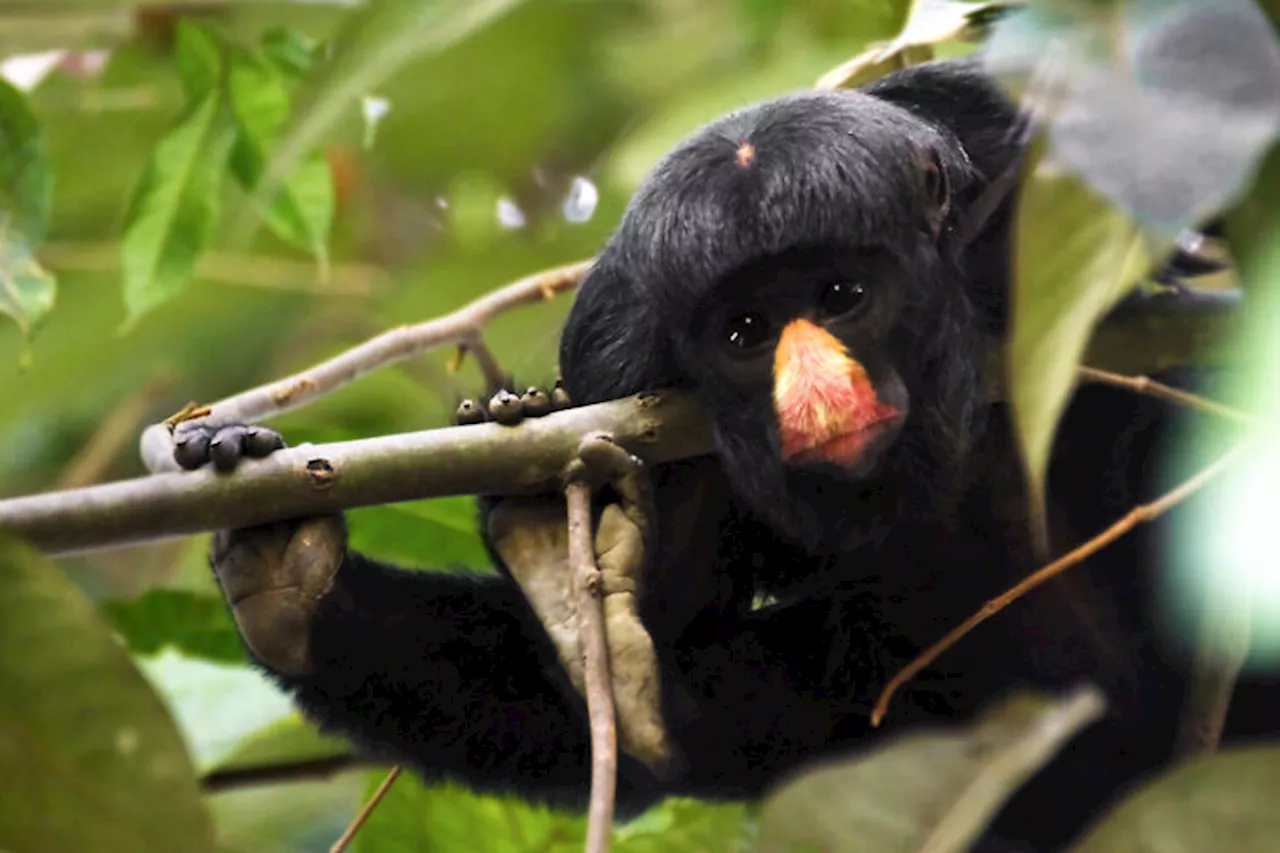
<point>449,672</point>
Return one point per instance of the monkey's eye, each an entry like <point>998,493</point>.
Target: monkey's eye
<point>843,297</point>
<point>745,332</point>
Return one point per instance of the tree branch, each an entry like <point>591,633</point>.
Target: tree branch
<point>463,326</point>
<point>464,460</point>
<point>588,587</point>
<point>1135,516</point>
<point>1146,335</point>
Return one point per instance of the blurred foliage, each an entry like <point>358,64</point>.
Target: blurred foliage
<point>198,198</point>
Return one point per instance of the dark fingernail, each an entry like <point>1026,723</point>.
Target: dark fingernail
<point>469,412</point>
<point>260,441</point>
<point>505,408</point>
<point>535,402</point>
<point>191,451</point>
<point>224,454</point>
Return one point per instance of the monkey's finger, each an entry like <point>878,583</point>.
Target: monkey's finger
<point>469,412</point>
<point>535,402</point>
<point>505,408</point>
<point>227,446</point>
<point>191,448</point>
<point>260,441</point>
<point>625,472</point>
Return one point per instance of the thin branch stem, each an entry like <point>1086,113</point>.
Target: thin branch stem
<point>367,809</point>
<point>588,586</point>
<point>1135,516</point>
<point>1150,387</point>
<point>494,376</point>
<point>462,326</point>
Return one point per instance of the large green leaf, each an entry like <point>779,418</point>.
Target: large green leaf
<point>1075,256</point>
<point>933,790</point>
<point>175,207</point>
<point>89,760</point>
<point>302,212</point>
<point>27,290</point>
<point>379,39</point>
<point>1222,802</point>
<point>197,625</point>
<point>26,181</point>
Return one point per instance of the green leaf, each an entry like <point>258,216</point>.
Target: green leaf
<point>27,290</point>
<point>197,625</point>
<point>1224,802</point>
<point>935,790</point>
<point>26,181</point>
<point>175,207</point>
<point>1076,255</point>
<point>445,818</point>
<point>683,824</point>
<point>379,39</point>
<point>302,212</point>
<point>291,52</point>
<point>89,760</point>
<point>200,59</point>
<point>433,533</point>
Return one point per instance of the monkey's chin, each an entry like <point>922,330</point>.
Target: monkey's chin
<point>856,453</point>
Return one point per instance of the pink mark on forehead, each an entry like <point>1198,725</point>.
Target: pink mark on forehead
<point>745,155</point>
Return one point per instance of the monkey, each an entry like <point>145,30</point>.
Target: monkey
<point>812,269</point>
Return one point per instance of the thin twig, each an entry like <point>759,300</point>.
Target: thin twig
<point>1135,516</point>
<point>365,811</point>
<point>494,376</point>
<point>1222,643</point>
<point>1152,388</point>
<point>587,588</point>
<point>277,774</point>
<point>1221,647</point>
<point>462,326</point>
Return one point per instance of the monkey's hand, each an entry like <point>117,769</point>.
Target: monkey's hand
<point>531,537</point>
<point>274,576</point>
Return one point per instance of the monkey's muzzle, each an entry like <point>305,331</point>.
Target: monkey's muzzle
<point>827,406</point>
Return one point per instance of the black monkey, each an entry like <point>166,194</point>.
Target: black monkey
<point>803,266</point>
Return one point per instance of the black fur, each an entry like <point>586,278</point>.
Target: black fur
<point>453,674</point>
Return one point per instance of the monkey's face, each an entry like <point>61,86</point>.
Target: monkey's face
<point>794,350</point>
<point>786,264</point>
<point>809,363</point>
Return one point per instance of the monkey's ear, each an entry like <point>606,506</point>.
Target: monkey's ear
<point>936,189</point>
<point>613,343</point>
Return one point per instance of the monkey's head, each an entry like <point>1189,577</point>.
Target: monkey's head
<point>788,264</point>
